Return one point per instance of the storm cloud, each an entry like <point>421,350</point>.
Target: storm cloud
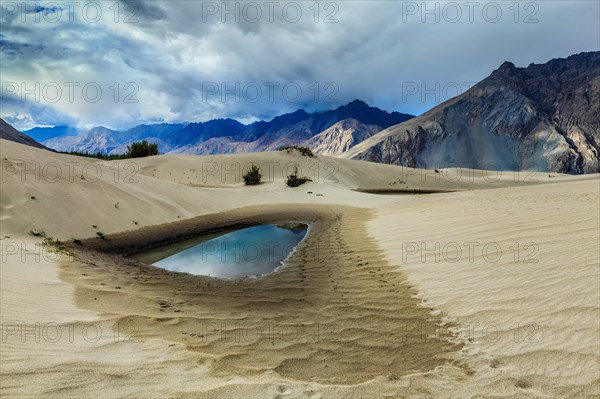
<point>118,64</point>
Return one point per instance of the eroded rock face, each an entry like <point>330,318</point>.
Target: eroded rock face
<point>544,117</point>
<point>342,136</point>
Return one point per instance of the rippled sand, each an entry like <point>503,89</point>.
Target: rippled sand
<point>355,311</point>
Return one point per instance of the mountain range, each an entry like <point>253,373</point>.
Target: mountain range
<point>333,132</point>
<point>543,117</point>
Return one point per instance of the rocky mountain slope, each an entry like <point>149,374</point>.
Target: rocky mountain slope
<point>8,132</point>
<point>340,137</point>
<point>544,117</point>
<point>230,136</point>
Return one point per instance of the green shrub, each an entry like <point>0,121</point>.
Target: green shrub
<point>294,181</point>
<point>253,176</point>
<point>101,235</point>
<point>304,151</point>
<point>139,149</point>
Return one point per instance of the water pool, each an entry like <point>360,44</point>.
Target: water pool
<point>248,252</point>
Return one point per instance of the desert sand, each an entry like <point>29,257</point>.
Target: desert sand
<point>487,286</point>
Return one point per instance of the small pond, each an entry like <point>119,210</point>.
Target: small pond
<point>249,252</point>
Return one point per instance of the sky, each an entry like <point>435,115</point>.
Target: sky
<point>120,63</point>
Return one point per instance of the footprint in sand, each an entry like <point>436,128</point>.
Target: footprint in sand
<point>312,394</point>
<point>283,390</point>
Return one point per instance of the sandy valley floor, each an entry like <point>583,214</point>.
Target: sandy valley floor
<point>490,287</point>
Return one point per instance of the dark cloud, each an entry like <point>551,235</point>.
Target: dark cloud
<point>188,60</point>
<point>147,10</point>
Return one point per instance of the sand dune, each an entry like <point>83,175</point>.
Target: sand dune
<point>356,310</point>
<point>528,288</point>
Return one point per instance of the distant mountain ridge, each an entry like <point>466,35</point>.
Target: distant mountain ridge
<point>544,117</point>
<point>45,133</point>
<point>225,135</point>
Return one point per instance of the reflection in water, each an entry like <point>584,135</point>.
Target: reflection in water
<point>253,251</point>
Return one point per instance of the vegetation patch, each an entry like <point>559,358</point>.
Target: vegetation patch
<point>253,177</point>
<point>294,180</point>
<point>304,151</point>
<point>140,149</point>
<point>137,149</point>
<point>52,242</point>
